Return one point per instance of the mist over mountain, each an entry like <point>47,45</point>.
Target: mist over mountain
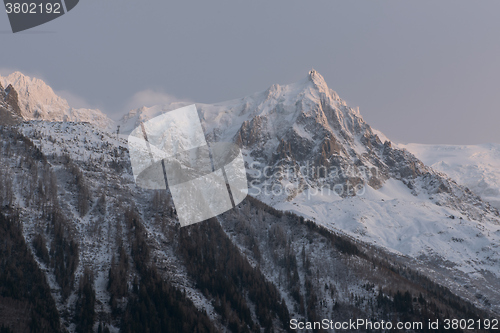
<point>340,224</point>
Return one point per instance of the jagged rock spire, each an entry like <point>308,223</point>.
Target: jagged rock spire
<point>12,99</point>
<point>318,80</point>
<point>10,113</point>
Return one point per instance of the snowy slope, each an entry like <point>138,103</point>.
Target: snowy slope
<point>38,101</point>
<point>474,166</point>
<point>410,225</point>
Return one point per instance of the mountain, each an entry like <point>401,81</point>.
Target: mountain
<point>393,240</point>
<point>114,258</point>
<point>37,101</point>
<point>474,166</point>
<point>309,153</point>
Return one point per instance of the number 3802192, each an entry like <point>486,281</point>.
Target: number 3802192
<point>33,8</point>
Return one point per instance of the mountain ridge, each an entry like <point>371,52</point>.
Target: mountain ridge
<point>327,254</point>
<point>37,101</point>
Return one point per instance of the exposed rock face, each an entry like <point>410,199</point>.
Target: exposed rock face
<point>251,132</point>
<point>12,98</point>
<point>10,112</point>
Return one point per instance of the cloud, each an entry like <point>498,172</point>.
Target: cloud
<point>74,101</point>
<point>150,98</point>
<point>6,71</point>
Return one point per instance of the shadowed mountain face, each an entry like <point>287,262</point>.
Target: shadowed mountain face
<point>10,112</point>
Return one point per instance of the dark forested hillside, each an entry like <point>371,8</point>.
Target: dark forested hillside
<point>25,301</point>
<point>155,305</point>
<point>224,275</point>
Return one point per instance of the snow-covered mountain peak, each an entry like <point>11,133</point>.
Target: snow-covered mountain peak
<point>312,88</point>
<point>304,122</point>
<point>283,105</point>
<point>318,80</point>
<point>38,101</point>
<point>19,79</point>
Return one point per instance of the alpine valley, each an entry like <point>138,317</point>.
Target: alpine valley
<point>340,224</point>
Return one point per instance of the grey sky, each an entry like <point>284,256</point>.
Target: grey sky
<point>420,71</point>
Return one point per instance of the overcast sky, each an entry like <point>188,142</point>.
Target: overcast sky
<point>420,71</point>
